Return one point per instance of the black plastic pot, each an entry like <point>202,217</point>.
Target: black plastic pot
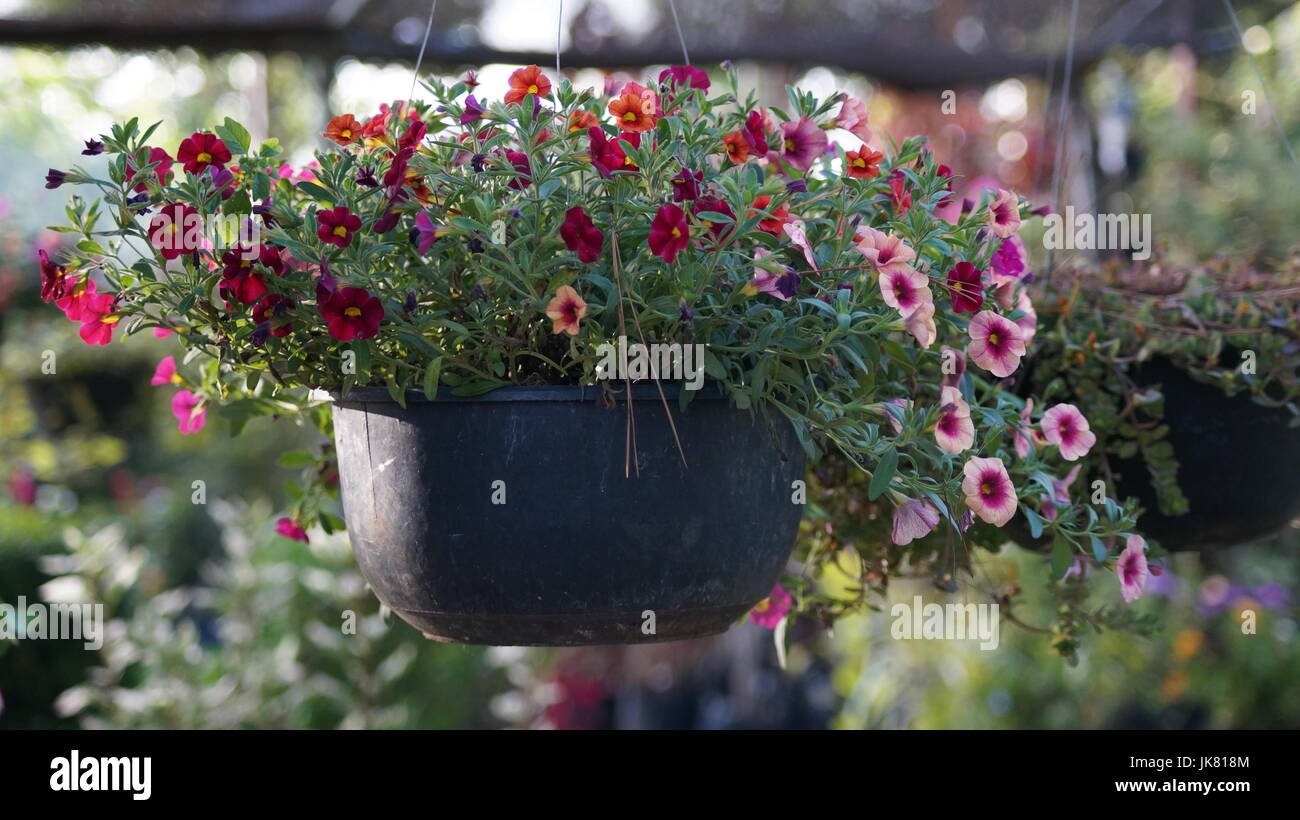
<point>578,553</point>
<point>1239,466</point>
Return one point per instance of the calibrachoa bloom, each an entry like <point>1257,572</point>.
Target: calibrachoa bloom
<point>736,146</point>
<point>427,231</point>
<point>913,519</point>
<point>76,298</point>
<point>989,491</point>
<point>905,288</point>
<point>199,150</point>
<point>524,171</point>
<point>581,235</point>
<point>885,251</point>
<point>996,344</point>
<point>1132,569</point>
<point>636,109</point>
<point>862,163</point>
<point>802,142</point>
<point>954,365</point>
<point>781,285</point>
<point>288,528</point>
<point>1004,214</point>
<point>1065,426</point>
<point>686,185</point>
<point>768,612</point>
<point>269,309</point>
<point>955,432</point>
<point>772,224</point>
<point>566,311</point>
<point>607,155</point>
<point>343,129</point>
<point>162,171</point>
<point>899,196</point>
<point>669,233</point>
<point>337,226</point>
<point>352,313</point>
<point>189,412</point>
<point>965,285</point>
<point>755,133</point>
<point>1019,440</point>
<point>920,323</point>
<point>175,230</point>
<point>853,118</point>
<point>1009,260</point>
<point>525,81</point>
<point>684,76</point>
<point>165,372</point>
<point>53,279</point>
<point>98,319</point>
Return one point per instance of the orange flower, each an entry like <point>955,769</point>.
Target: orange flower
<point>343,129</point>
<point>774,223</point>
<point>582,120</point>
<point>737,147</point>
<point>566,310</point>
<point>525,81</point>
<point>633,112</point>
<point>863,163</point>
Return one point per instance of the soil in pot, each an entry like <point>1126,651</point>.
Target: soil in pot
<point>507,519</point>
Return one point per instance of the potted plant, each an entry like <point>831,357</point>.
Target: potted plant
<point>1191,376</point>
<point>455,292</point>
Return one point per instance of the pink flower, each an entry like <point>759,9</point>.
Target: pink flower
<point>884,251</point>
<point>1028,323</point>
<point>795,231</point>
<point>1019,440</point>
<point>768,612</point>
<point>901,408</point>
<point>802,142</point>
<point>1060,494</point>
<point>1009,261</point>
<point>996,343</point>
<point>1004,213</point>
<point>1065,426</point>
<point>162,332</point>
<point>954,431</point>
<point>913,519</point>
<point>291,529</point>
<point>189,412</point>
<point>853,118</point>
<point>920,323</point>
<point>781,285</point>
<point>98,319</point>
<point>165,373</point>
<point>989,491</point>
<point>905,289</point>
<point>1132,569</point>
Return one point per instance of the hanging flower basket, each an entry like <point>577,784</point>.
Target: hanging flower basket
<point>514,518</point>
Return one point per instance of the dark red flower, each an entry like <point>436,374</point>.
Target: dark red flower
<point>719,231</point>
<point>524,170</point>
<point>581,235</point>
<point>966,287</point>
<point>352,313</point>
<point>669,233</point>
<point>175,230</point>
<point>772,224</point>
<point>337,226</point>
<point>607,155</point>
<point>238,278</point>
<point>200,150</point>
<point>686,185</point>
<point>473,111</point>
<point>270,310</point>
<point>54,279</point>
<point>162,171</point>
<point>755,133</point>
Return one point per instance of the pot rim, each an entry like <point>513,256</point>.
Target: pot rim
<point>564,392</point>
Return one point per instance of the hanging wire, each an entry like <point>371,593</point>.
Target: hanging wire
<point>1065,104</point>
<point>559,30</point>
<point>1241,38</point>
<point>681,38</point>
<point>415,75</point>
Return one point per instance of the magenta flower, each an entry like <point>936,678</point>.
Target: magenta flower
<point>955,432</point>
<point>1009,261</point>
<point>1065,426</point>
<point>669,233</point>
<point>989,491</point>
<point>291,529</point>
<point>1060,494</point>
<point>768,612</point>
<point>884,251</point>
<point>581,235</point>
<point>1019,440</point>
<point>684,76</point>
<point>966,287</point>
<point>755,132</point>
<point>523,170</point>
<point>189,411</point>
<point>1132,569</point>
<point>905,289</point>
<point>427,231</point>
<point>781,285</point>
<point>1004,214</point>
<point>996,343</point>
<point>802,142</point>
<point>165,373</point>
<point>913,519</point>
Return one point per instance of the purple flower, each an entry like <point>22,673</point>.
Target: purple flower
<point>93,147</point>
<point>802,142</point>
<point>366,177</point>
<point>55,178</point>
<point>473,111</point>
<point>686,185</point>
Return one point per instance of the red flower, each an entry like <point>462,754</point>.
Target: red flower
<point>862,163</point>
<point>525,81</point>
<point>352,313</point>
<point>162,171</point>
<point>899,196</point>
<point>240,280</point>
<point>337,226</point>
<point>525,171</point>
<point>721,232</point>
<point>772,224</point>
<point>607,155</point>
<point>582,120</point>
<point>669,233</point>
<point>756,132</point>
<point>288,528</point>
<point>54,279</point>
<point>200,150</point>
<point>175,230</point>
<point>98,319</point>
<point>343,129</point>
<point>76,299</point>
<point>581,235</point>
<point>736,146</point>
<point>966,286</point>
<point>269,309</point>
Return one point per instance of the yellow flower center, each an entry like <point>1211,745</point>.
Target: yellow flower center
<point>993,338</point>
<point>204,157</point>
<point>352,311</point>
<point>676,233</point>
<point>987,489</point>
<point>339,230</point>
<point>346,133</point>
<point>763,605</point>
<point>533,89</point>
<point>176,379</point>
<point>789,145</point>
<point>629,116</point>
<point>110,320</point>
<point>860,163</point>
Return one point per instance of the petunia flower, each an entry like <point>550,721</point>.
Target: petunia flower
<point>1004,214</point>
<point>582,120</point>
<point>1065,426</point>
<point>93,148</point>
<point>904,288</point>
<point>1060,496</point>
<point>189,411</point>
<point>165,372</point>
<point>608,155</point>
<point>55,178</point>
<point>989,491</point>
<point>958,366</point>
<point>581,235</point>
<point>288,528</point>
<point>899,196</point>
<point>566,310</point>
<point>884,251</point>
<point>162,332</point>
<point>755,131</point>
<point>920,323</point>
<point>176,229</point>
<point>427,231</point>
<point>768,612</point>
<point>270,310</point>
<point>76,298</point>
<point>954,432</point>
<point>683,76</point>
<point>523,170</point>
<point>54,279</point>
<point>351,313</point>
<point>965,285</point>
<point>686,185</point>
<point>795,230</point>
<point>996,343</point>
<point>862,163</point>
<point>669,233</point>
<point>853,118</point>
<point>736,146</point>
<point>913,519</point>
<point>802,143</point>
<point>1008,263</point>
<point>1020,441</point>
<point>772,224</point>
<point>343,129</point>
<point>200,150</point>
<point>720,233</point>
<point>162,170</point>
<point>337,226</point>
<point>1132,569</point>
<point>525,81</point>
<point>632,111</point>
<point>1028,320</point>
<point>98,319</point>
<point>895,411</point>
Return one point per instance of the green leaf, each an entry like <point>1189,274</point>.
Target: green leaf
<point>1099,550</point>
<point>1035,523</point>
<point>1061,557</point>
<point>432,371</point>
<point>884,474</point>
<point>397,392</point>
<point>297,458</point>
<point>234,135</point>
